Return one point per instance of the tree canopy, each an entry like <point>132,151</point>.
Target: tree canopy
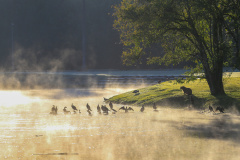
<point>204,32</point>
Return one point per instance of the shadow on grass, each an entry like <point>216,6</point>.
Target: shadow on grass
<point>183,101</point>
<point>226,101</point>
<point>223,128</point>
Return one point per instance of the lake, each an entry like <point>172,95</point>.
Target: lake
<point>28,131</point>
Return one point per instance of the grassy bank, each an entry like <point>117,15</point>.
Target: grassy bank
<point>169,94</point>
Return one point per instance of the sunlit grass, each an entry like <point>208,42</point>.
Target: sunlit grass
<point>171,89</point>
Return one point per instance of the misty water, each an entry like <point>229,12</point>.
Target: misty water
<point>28,131</point>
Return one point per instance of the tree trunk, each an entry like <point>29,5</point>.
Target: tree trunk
<point>215,80</point>
<point>214,74</point>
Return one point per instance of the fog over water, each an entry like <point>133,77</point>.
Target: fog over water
<point>28,131</point>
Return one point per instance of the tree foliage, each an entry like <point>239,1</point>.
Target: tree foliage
<point>205,32</point>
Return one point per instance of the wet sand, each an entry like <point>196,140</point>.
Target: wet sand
<point>29,132</point>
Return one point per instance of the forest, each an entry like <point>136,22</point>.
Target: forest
<point>47,35</point>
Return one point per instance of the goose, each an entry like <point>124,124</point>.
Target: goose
<point>142,109</point>
<point>154,106</point>
<point>210,108</point>
<point>74,107</point>
<point>65,111</point>
<point>111,105</point>
<point>99,109</point>
<point>88,107</point>
<point>220,109</point>
<point>122,108</point>
<point>130,109</point>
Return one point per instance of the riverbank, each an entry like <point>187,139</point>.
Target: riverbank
<point>169,94</point>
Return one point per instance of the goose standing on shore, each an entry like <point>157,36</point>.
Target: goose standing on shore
<point>210,108</point>
<point>105,109</point>
<point>74,107</point>
<point>142,109</point>
<point>99,109</point>
<point>65,111</point>
<point>88,107</point>
<point>111,105</point>
<point>220,109</point>
<point>130,109</point>
<point>122,108</point>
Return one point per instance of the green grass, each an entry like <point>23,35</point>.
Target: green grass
<point>169,94</point>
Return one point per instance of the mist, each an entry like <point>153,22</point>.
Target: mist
<point>38,34</point>
<point>30,132</point>
<point>41,66</point>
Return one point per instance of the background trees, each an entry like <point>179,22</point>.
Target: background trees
<point>204,32</point>
<point>48,35</point>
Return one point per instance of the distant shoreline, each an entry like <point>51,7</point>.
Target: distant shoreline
<point>101,78</point>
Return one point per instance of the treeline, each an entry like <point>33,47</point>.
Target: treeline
<point>47,34</point>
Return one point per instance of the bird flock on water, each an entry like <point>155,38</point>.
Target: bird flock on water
<point>105,110</point>
<point>101,110</point>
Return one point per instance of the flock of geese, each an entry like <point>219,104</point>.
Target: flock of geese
<point>105,110</point>
<point>101,110</point>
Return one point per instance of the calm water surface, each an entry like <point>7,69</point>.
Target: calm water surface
<point>28,131</point>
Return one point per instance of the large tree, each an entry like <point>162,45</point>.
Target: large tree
<point>205,32</point>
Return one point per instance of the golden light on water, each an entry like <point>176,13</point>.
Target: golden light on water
<point>13,98</point>
<point>32,133</point>
<point>58,127</point>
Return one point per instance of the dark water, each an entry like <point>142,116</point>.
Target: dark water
<point>85,79</point>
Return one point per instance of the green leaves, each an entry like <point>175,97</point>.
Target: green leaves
<point>187,30</point>
<point>132,56</point>
<point>199,31</point>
